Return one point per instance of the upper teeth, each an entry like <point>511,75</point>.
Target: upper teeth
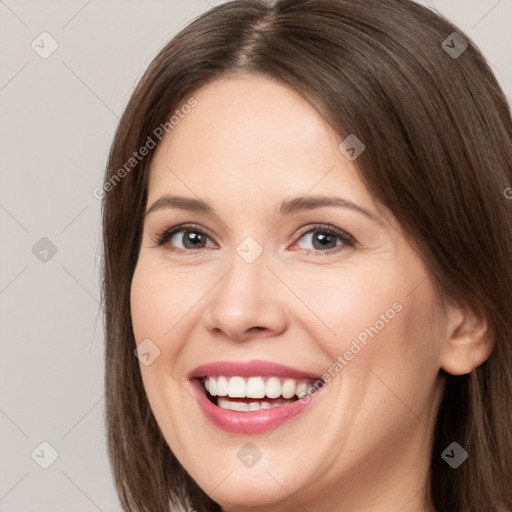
<point>256,387</point>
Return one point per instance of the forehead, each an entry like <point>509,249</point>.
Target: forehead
<point>250,139</point>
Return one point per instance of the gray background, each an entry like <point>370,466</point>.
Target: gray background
<point>58,117</point>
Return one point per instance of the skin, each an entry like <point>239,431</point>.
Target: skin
<point>364,443</point>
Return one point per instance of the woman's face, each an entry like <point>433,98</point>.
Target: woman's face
<point>289,278</point>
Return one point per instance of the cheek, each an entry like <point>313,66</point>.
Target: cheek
<point>157,310</point>
<point>390,358</point>
<point>164,302</point>
<point>159,301</point>
<point>376,316</point>
<point>158,315</point>
<point>350,300</point>
<point>384,351</point>
<point>146,306</point>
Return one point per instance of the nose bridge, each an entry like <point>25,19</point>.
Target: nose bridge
<point>242,298</point>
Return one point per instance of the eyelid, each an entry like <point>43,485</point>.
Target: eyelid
<point>326,227</point>
<point>164,235</point>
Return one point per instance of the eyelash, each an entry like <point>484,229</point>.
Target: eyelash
<point>347,240</point>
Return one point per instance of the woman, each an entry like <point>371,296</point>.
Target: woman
<point>307,245</point>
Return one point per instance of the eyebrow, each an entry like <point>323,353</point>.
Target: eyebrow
<point>311,202</point>
<point>287,207</point>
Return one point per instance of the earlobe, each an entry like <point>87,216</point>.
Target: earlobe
<point>468,341</point>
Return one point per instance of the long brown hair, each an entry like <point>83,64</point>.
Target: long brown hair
<point>438,136</point>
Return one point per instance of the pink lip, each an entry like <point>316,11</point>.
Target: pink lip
<point>251,422</point>
<point>252,368</point>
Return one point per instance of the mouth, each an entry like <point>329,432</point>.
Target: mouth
<point>252,397</point>
<point>255,393</point>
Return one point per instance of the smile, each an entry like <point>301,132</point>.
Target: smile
<point>252,397</point>
<point>270,391</point>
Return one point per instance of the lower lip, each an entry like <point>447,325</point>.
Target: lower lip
<point>250,422</point>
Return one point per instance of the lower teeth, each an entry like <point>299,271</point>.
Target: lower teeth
<point>234,405</point>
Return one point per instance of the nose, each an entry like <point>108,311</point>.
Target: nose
<point>247,302</point>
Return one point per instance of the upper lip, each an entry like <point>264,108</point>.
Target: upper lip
<point>253,368</point>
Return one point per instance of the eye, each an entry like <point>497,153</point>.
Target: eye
<point>324,239</point>
<point>184,238</point>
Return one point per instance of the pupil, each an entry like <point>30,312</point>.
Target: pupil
<point>325,240</point>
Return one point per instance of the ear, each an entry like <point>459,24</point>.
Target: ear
<point>468,341</point>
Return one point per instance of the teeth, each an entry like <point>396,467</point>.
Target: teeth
<point>301,389</point>
<point>222,386</point>
<point>273,389</point>
<point>289,387</point>
<point>257,387</point>
<point>236,387</point>
<point>212,385</point>
<point>233,406</point>
<point>244,407</point>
